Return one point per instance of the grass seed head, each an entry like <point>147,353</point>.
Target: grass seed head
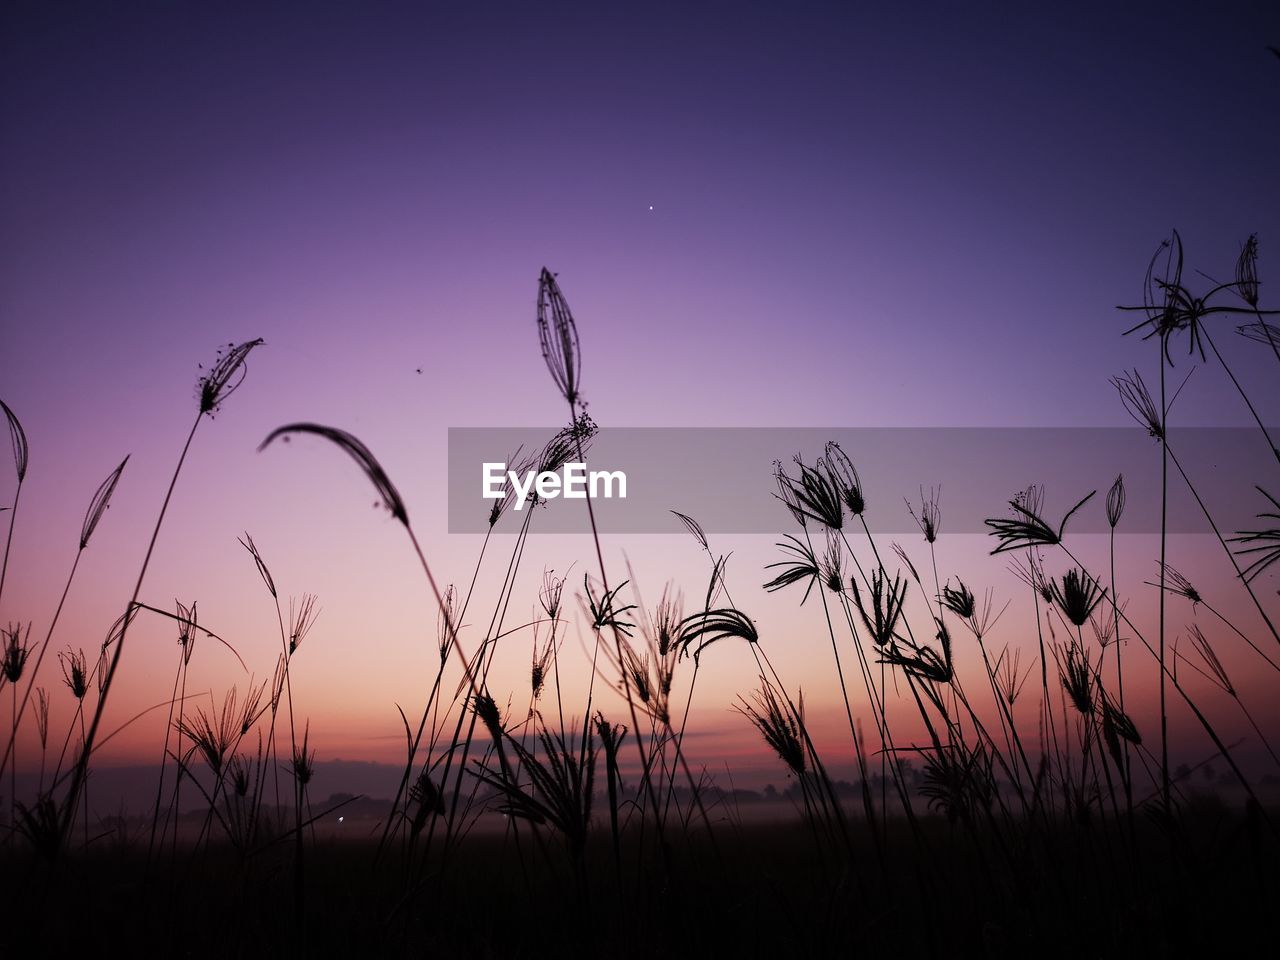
<point>558,335</point>
<point>16,651</point>
<point>1027,529</point>
<point>486,708</point>
<point>1247,271</point>
<point>74,672</point>
<point>303,763</point>
<point>802,567</point>
<point>959,600</point>
<point>248,544</point>
<point>844,477</point>
<point>302,618</point>
<point>1176,583</point>
<point>709,626</point>
<point>605,612</point>
<point>1260,331</point>
<point>538,669</point>
<point>551,593</point>
<point>1077,680</point>
<point>225,376</point>
<point>188,620</point>
<point>446,621</point>
<point>666,623</point>
<point>881,611</point>
<point>780,724</point>
<point>358,452</point>
<point>930,517</point>
<point>694,528</point>
<point>98,505</point>
<point>1115,501</point>
<point>832,566</point>
<point>1076,595</point>
<point>1139,403</point>
<point>1262,546</point>
<point>18,437</point>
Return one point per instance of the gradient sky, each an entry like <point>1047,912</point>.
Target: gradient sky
<point>762,216</point>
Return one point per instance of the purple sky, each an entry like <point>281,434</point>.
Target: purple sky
<point>858,218</point>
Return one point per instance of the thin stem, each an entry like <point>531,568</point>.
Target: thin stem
<point>82,765</point>
<point>8,541</point>
<point>39,660</point>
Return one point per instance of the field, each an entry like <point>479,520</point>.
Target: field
<point>1031,811</point>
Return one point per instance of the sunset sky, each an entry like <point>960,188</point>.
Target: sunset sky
<point>810,215</point>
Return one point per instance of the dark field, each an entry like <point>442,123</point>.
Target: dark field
<point>1204,884</point>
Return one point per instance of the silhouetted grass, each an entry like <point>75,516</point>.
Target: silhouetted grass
<point>516,833</point>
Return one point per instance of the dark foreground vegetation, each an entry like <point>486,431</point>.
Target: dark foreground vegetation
<point>1204,883</point>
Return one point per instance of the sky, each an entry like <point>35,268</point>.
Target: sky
<point>810,215</point>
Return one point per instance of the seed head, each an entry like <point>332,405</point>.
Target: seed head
<point>75,672</point>
<point>1077,595</point>
<point>225,376</point>
<point>427,799</point>
<point>1009,675</point>
<point>1175,582</point>
<point>611,736</point>
<point>550,594</point>
<point>605,612</point>
<point>487,710</point>
<point>1031,572</point>
<point>301,619</point>
<point>1169,306</point>
<point>786,494</point>
<point>1115,501</point>
<point>508,491</point>
<point>538,670</point>
<point>98,505</point>
<point>1212,670</point>
<point>18,437</point>
<point>929,517</point>
<point>881,612</point>
<point>240,776</point>
<point>358,452</point>
<point>1247,271</point>
<point>559,336</point>
<point>666,623</point>
<point>1262,545</point>
<point>694,528</point>
<point>1077,680</point>
<point>261,564</point>
<point>812,495</point>
<point>188,620</point>
<point>921,660</point>
<point>446,620</point>
<point>570,443</point>
<point>844,476</point>
<point>959,601</point>
<point>802,567</point>
<point>214,735</point>
<point>705,628</point>
<point>1139,403</point>
<point>780,724</point>
<point>832,563</point>
<point>42,716</point>
<point>303,763</point>
<point>1117,727</point>
<point>16,651</point>
<point>1028,528</point>
<point>1260,331</point>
